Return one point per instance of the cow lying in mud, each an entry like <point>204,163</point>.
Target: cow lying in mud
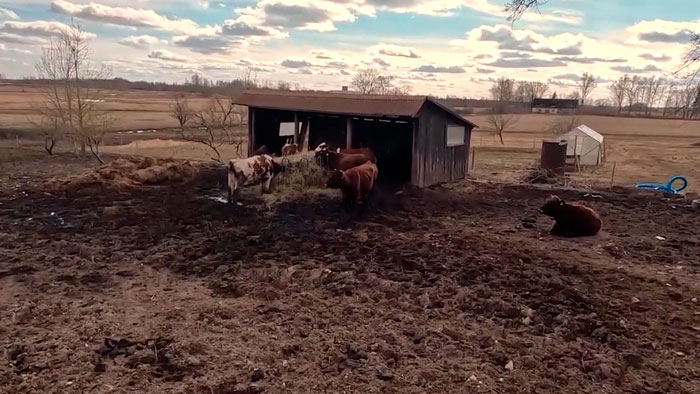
<point>355,183</point>
<point>252,171</point>
<point>571,220</point>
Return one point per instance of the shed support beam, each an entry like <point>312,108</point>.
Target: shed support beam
<point>348,134</point>
<point>296,128</point>
<point>251,131</point>
<point>304,132</point>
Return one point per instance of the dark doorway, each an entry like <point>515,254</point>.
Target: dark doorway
<point>328,129</point>
<point>267,129</point>
<point>392,142</point>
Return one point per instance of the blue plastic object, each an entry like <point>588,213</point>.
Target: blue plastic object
<point>667,188</point>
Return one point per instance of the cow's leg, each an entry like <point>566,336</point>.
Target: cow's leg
<point>266,184</point>
<point>232,186</point>
<point>559,230</point>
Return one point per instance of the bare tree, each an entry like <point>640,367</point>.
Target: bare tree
<point>618,89</point>
<point>72,100</point>
<point>527,91</point>
<point>499,122</point>
<point>516,8</point>
<point>503,90</point>
<point>574,95</point>
<point>181,112</point>
<point>586,86</point>
<point>634,88</point>
<point>217,125</point>
<point>563,125</point>
<point>370,81</point>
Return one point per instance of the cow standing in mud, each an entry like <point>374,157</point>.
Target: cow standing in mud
<point>355,183</point>
<point>322,150</point>
<point>252,171</point>
<point>571,220</point>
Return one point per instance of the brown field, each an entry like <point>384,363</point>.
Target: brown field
<point>111,286</point>
<point>452,289</point>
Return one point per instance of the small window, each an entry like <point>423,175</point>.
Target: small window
<point>455,135</point>
<point>287,129</point>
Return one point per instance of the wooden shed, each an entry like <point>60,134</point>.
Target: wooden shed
<point>417,139</point>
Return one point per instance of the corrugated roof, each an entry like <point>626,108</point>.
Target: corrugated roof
<point>341,103</point>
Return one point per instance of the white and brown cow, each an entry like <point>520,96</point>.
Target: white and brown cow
<point>252,171</point>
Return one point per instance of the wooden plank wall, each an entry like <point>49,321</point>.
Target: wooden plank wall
<point>434,162</point>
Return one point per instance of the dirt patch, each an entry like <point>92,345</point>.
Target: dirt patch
<point>430,290</point>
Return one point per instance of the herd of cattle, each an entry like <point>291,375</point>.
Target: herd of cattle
<point>353,171</point>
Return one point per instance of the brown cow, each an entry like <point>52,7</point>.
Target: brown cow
<point>341,161</point>
<point>571,220</point>
<point>355,183</point>
<point>290,149</point>
<point>324,147</point>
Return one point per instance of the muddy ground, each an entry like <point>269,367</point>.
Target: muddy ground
<point>446,290</point>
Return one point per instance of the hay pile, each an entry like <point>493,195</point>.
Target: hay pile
<point>124,173</point>
<point>539,175</point>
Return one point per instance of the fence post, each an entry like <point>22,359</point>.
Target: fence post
<point>17,140</point>
<point>473,156</point>
<point>612,177</point>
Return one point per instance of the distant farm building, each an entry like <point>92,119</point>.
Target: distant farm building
<point>417,139</point>
<point>553,106</point>
<point>585,146</point>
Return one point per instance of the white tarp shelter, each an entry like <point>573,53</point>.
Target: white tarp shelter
<point>584,145</point>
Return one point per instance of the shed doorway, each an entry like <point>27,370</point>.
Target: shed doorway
<point>392,143</point>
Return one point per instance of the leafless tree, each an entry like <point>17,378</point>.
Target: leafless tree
<point>181,111</point>
<point>516,8</point>
<point>283,85</point>
<point>563,125</point>
<point>618,89</point>
<point>499,122</point>
<point>634,89</point>
<point>370,81</point>
<point>217,125</point>
<point>503,90</point>
<point>72,101</point>
<point>527,91</point>
<point>574,95</point>
<point>586,86</point>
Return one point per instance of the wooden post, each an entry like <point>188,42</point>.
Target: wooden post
<point>348,134</point>
<point>303,133</point>
<point>296,128</point>
<point>473,156</point>
<point>612,177</point>
<point>17,140</point>
<point>577,164</point>
<point>251,131</point>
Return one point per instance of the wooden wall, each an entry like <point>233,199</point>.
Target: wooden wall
<point>433,161</point>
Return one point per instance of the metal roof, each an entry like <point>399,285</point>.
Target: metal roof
<point>585,131</point>
<point>342,103</point>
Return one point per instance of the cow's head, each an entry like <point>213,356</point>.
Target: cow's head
<point>552,206</point>
<point>231,166</point>
<point>335,180</point>
<point>322,157</point>
<point>321,147</point>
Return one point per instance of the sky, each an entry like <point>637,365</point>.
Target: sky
<point>438,47</point>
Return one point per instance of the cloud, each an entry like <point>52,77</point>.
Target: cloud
<point>526,63</point>
<point>207,45</point>
<point>636,70</point>
<point>394,50</point>
<point>294,15</point>
<point>517,55</point>
<point>246,27</point>
<point>526,40</point>
<point>483,56</point>
<point>683,37</point>
<point>20,39</point>
<point>37,28</point>
<point>7,14</point>
<point>381,62</point>
<point>292,63</point>
<point>127,16</point>
<point>662,31</point>
<point>589,60</point>
<point>430,68</point>
<point>305,71</point>
<point>141,42</point>
<point>321,54</point>
<point>484,70</point>
<point>163,54</point>
<point>568,77</point>
<point>652,57</point>
<point>337,64</point>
